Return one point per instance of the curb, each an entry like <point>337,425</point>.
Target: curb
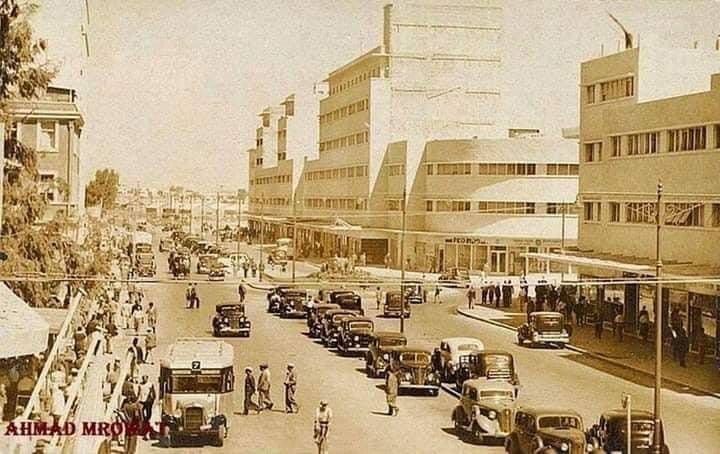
<point>592,354</point>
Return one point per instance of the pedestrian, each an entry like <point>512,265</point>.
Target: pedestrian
<point>321,427</point>
<point>125,311</point>
<point>241,292</point>
<point>249,403</point>
<point>683,346</point>
<point>490,293</point>
<point>151,314</point>
<point>378,298</point>
<point>619,325</point>
<point>137,317</point>
<point>146,398</point>
<point>80,341</point>
<point>471,297</point>
<point>194,297</point>
<point>245,268</point>
<point>483,293</point>
<point>188,296</point>
<point>137,350</point>
<point>581,310</point>
<point>150,344</point>
<point>497,290</point>
<point>644,323</point>
<point>436,298</point>
<point>113,374</point>
<point>561,307</point>
<point>263,387</point>
<point>391,391</point>
<point>58,403</point>
<point>598,325</point>
<point>291,405</point>
<point>530,308</point>
<point>133,416</point>
<point>110,332</point>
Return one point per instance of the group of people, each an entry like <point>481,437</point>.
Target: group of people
<point>262,388</point>
<point>500,294</point>
<point>192,299</point>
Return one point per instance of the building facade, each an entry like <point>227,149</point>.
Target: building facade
<point>643,123</point>
<point>52,125</point>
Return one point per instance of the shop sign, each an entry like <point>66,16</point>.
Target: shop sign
<point>465,240</point>
<point>487,242</point>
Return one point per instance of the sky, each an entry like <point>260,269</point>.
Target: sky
<point>172,88</point>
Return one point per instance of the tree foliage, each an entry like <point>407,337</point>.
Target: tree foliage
<point>103,189</point>
<point>35,251</point>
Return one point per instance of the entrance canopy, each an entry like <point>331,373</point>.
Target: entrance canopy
<point>23,332</point>
<point>591,262</point>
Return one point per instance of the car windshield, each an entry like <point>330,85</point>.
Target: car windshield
<point>201,384</point>
<point>497,361</point>
<point>415,357</point>
<point>496,394</point>
<point>338,317</point>
<point>549,322</point>
<point>361,325</point>
<point>392,341</point>
<point>559,422</point>
<point>468,347</point>
<point>394,299</point>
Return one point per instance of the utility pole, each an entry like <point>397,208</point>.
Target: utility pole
<point>402,263</point>
<point>657,436</point>
<point>239,227</point>
<point>202,216</point>
<point>217,218</point>
<point>294,237</point>
<point>261,267</point>
<point>562,235</point>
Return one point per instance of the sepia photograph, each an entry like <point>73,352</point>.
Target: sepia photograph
<point>359,226</point>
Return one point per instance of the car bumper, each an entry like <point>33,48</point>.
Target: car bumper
<point>294,314</point>
<point>551,338</point>
<point>390,313</point>
<point>412,386</point>
<point>216,278</point>
<point>195,433</point>
<point>354,348</point>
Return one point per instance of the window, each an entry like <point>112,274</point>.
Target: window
<point>47,140</point>
<point>428,205</point>
<point>552,208</point>
<point>460,205</point>
<point>717,136</point>
<point>266,121</point>
<point>443,205</point>
<point>684,214</point>
<point>614,209</point>
<point>646,143</point>
<point>282,156</point>
<point>640,213</point>
<point>716,214</point>
<point>616,142</point>
<point>590,94</point>
<point>686,139</point>
<point>430,169</point>
<point>393,205</point>
<point>593,151</point>
<point>591,211</point>
<point>454,169</point>
<point>47,186</point>
<point>616,89</point>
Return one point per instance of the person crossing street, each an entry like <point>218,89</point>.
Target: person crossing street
<point>249,403</point>
<point>391,391</point>
<point>291,405</point>
<point>263,388</point>
<point>323,418</point>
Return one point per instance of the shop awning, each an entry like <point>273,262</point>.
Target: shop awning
<point>592,262</point>
<point>23,332</point>
<point>538,190</point>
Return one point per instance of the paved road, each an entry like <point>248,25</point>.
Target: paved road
<point>549,377</point>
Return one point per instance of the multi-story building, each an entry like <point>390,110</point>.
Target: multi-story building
<point>643,122</point>
<point>52,126</point>
<point>416,103</point>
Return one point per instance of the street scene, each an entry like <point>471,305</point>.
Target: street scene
<point>408,226</point>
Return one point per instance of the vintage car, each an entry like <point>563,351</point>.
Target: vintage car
<point>350,301</point>
<point>393,303</point>
<point>355,335</point>
<point>487,365</point>
<point>293,303</point>
<point>455,277</point>
<point>610,434</point>
<point>216,272</point>
<point>230,320</point>
<point>378,356</point>
<point>415,370</point>
<point>315,318</point>
<point>277,257</point>
<point>274,298</point>
<point>450,351</point>
<point>415,291</point>
<point>486,410</point>
<point>331,323</point>
<point>166,244</point>
<point>544,328</point>
<point>538,429</point>
<point>205,261</point>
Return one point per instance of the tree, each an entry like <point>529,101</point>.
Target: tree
<point>103,189</point>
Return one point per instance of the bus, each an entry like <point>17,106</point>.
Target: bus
<point>196,385</point>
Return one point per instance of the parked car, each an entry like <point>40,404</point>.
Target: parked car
<point>544,328</point>
<point>450,350</point>
<point>395,305</point>
<point>230,320</point>
<point>216,272</point>
<point>331,322</point>
<point>292,303</point>
<point>355,335</point>
<point>610,433</point>
<point>487,365</point>
<point>277,257</point>
<point>350,301</point>
<point>416,292</point>
<point>315,318</point>
<point>166,244</point>
<point>486,409</point>
<point>415,369</point>
<point>455,277</point>
<point>377,358</point>
<point>205,261</point>
<point>538,428</point>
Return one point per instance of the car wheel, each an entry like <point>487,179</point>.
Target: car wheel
<point>519,339</point>
<point>220,440</point>
<point>477,434</point>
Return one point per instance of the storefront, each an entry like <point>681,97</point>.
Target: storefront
<point>496,256</point>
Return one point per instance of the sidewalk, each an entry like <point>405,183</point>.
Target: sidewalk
<point>631,353</point>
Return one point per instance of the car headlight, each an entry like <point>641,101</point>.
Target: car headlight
<point>408,376</point>
<point>356,338</point>
<point>564,446</point>
<point>385,356</point>
<point>492,414</point>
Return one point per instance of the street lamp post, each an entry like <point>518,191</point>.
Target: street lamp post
<point>217,218</point>
<point>402,263</point>
<point>294,236</point>
<point>657,437</point>
<point>190,223</point>
<point>262,235</point>
<point>562,234</point>
<point>202,216</point>
<point>239,229</point>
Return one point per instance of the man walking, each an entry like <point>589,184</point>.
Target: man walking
<point>644,321</point>
<point>391,391</point>
<point>378,298</point>
<point>194,298</point>
<point>151,315</point>
<point>248,403</point>
<point>471,297</point>
<point>188,296</point>
<point>436,299</point>
<point>291,405</point>
<point>241,292</point>
<point>323,417</point>
<point>263,388</point>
